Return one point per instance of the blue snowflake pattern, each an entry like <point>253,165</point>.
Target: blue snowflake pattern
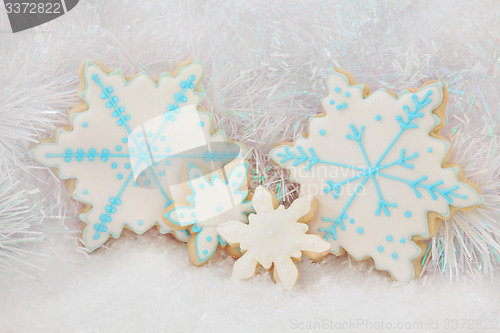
<point>136,159</point>
<point>383,172</point>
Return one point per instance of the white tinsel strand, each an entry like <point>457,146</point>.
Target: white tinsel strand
<point>17,237</point>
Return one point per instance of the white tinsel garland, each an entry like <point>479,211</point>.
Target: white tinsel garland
<point>265,67</point>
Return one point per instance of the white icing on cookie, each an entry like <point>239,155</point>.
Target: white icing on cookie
<point>376,172</point>
<point>128,147</point>
<point>214,200</point>
<point>273,236</point>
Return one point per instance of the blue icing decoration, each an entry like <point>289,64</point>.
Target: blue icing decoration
<point>347,94</point>
<point>429,150</point>
<point>344,105</point>
<point>85,192</point>
<point>85,124</point>
<point>380,249</point>
<point>124,140</point>
<point>394,255</point>
<point>372,170</point>
<point>402,240</point>
<point>199,182</point>
<point>360,230</point>
<point>332,102</point>
<point>389,238</point>
<point>351,221</point>
<point>378,117</point>
<point>408,214</point>
<point>147,182</point>
<point>114,165</point>
<point>322,132</point>
<point>202,124</point>
<point>339,107</point>
<point>119,176</point>
<point>118,148</point>
<point>337,89</point>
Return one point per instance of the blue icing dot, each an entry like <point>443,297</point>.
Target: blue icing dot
<point>163,138</point>
<point>209,238</point>
<point>202,123</point>
<point>120,176</point>
<point>139,134</point>
<point>234,184</point>
<point>155,148</point>
<point>344,105</point>
<point>429,150</point>
<point>394,255</point>
<point>408,214</point>
<point>140,222</point>
<point>337,90</point>
<point>389,238</point>
<point>143,143</point>
<point>150,134</point>
<point>147,182</point>
<point>360,230</point>
<point>162,173</point>
<point>322,132</point>
<point>127,165</point>
<point>118,148</point>
<point>219,208</point>
<point>351,221</point>
<point>332,102</point>
<point>114,165</point>
<point>167,163</point>
<point>339,107</point>
<point>132,149</point>
<point>402,240</point>
<point>167,150</point>
<point>85,124</point>
<point>205,252</point>
<point>378,117</point>
<point>124,140</point>
<point>380,249</point>
<point>347,94</point>
<point>143,173</point>
<point>202,186</point>
<point>85,192</point>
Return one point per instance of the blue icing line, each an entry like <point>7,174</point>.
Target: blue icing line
<point>372,169</point>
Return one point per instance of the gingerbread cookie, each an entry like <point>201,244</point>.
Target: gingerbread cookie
<point>380,172</point>
<point>274,237</point>
<point>215,198</point>
<point>126,145</point>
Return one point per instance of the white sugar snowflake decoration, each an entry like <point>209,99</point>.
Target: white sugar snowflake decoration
<point>379,171</point>
<point>273,237</point>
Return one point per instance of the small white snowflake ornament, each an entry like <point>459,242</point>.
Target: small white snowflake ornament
<point>126,146</point>
<point>274,236</point>
<point>380,172</point>
<point>215,199</point>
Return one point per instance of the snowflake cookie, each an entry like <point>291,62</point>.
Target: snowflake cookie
<point>215,199</point>
<point>126,146</point>
<point>274,236</point>
<point>380,172</point>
